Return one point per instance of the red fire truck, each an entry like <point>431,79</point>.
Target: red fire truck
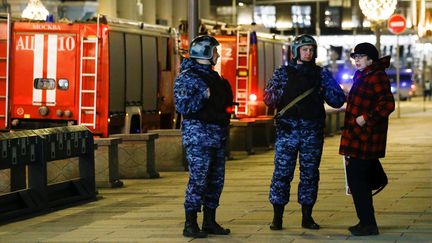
<point>115,75</point>
<point>111,75</point>
<point>248,60</point>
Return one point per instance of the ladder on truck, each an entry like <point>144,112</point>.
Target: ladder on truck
<point>88,73</point>
<point>242,72</point>
<point>5,27</point>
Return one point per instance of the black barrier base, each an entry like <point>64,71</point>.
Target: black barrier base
<point>153,175</point>
<point>69,192</point>
<point>16,204</point>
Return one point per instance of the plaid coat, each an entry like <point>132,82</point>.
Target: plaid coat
<point>371,97</point>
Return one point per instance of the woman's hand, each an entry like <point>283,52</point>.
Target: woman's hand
<point>360,121</point>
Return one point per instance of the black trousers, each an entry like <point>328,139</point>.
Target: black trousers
<point>358,173</point>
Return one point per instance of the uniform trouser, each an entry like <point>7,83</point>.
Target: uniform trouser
<point>206,177</point>
<point>308,145</point>
<point>358,182</point>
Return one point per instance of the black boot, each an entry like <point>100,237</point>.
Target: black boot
<point>209,223</point>
<point>307,220</point>
<point>354,226</point>
<point>363,230</point>
<point>191,228</point>
<point>278,211</point>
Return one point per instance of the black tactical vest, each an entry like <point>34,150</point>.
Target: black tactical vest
<point>300,80</point>
<point>221,97</point>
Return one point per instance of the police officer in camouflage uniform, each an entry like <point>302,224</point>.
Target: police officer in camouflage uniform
<point>204,99</point>
<point>300,130</point>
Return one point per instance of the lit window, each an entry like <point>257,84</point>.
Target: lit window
<point>265,15</point>
<point>332,17</point>
<point>301,16</point>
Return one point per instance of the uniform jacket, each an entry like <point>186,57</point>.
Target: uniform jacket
<point>371,97</point>
<point>328,90</point>
<point>192,95</point>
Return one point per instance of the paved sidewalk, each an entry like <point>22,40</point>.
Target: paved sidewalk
<point>152,210</point>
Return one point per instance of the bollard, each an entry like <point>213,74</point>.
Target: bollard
<point>271,129</point>
<point>137,155</point>
<point>107,163</point>
<point>340,119</point>
<point>334,120</point>
<point>241,135</point>
<point>169,152</point>
<point>262,132</point>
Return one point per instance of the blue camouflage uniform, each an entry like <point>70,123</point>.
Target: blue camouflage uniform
<point>300,131</point>
<point>204,139</point>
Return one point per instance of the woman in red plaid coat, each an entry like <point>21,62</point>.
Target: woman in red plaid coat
<point>364,137</point>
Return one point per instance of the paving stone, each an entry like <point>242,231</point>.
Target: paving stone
<point>152,210</point>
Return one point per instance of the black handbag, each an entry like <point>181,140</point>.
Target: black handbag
<point>378,177</point>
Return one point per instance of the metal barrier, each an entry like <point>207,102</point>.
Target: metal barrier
<point>32,150</point>
<point>18,150</point>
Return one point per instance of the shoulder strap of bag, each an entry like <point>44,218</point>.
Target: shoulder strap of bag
<point>377,191</point>
<point>294,101</point>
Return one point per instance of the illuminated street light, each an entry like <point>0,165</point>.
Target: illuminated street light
<point>424,24</point>
<point>377,11</point>
<point>35,10</point>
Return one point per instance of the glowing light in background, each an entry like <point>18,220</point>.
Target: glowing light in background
<point>346,76</point>
<point>35,10</point>
<point>377,10</point>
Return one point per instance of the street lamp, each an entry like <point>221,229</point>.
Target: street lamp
<point>377,11</point>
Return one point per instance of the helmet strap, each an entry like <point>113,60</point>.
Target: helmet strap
<point>204,61</point>
<point>307,63</point>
